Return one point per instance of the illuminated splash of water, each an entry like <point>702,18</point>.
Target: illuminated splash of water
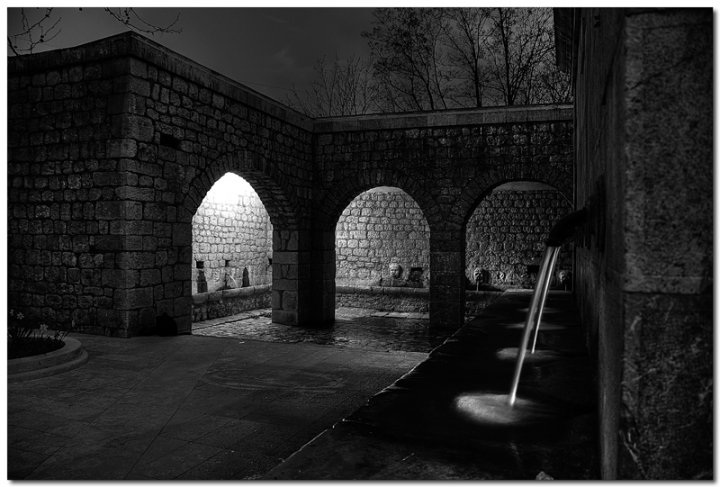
<point>493,409</point>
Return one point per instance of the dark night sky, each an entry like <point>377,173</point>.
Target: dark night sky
<point>268,49</point>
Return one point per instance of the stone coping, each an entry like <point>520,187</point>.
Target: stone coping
<point>239,292</point>
<point>70,356</point>
<point>446,118</point>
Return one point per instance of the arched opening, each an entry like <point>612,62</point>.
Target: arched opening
<point>382,266</point>
<point>382,227</point>
<point>505,240</point>
<point>231,251</point>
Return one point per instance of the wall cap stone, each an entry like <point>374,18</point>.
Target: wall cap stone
<point>445,118</point>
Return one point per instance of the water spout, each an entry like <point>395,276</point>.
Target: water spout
<point>563,231</point>
<point>544,292</point>
<point>533,316</point>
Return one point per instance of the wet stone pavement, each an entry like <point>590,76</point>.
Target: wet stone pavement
<point>448,418</point>
<point>357,328</point>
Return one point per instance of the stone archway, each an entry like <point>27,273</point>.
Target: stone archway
<point>337,198</point>
<point>282,212</point>
<point>383,227</point>
<point>505,237</point>
<point>232,251</point>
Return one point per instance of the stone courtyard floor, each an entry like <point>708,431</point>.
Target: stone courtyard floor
<point>333,404</point>
<point>187,407</point>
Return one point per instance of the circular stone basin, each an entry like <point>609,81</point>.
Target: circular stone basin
<point>540,356</point>
<point>69,356</point>
<point>493,409</point>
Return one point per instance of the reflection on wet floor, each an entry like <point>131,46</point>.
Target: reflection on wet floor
<point>359,328</point>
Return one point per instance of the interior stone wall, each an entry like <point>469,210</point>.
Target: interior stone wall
<point>378,228</point>
<point>239,232</point>
<point>507,232</point>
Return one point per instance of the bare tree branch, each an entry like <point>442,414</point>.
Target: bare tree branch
<point>131,18</point>
<point>39,26</point>
<point>344,87</point>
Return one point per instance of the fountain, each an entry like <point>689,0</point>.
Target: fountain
<point>502,409</point>
<point>560,233</point>
<point>534,314</point>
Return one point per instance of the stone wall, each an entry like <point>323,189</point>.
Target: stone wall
<point>378,228</point>
<point>401,299</point>
<point>447,162</point>
<point>644,111</point>
<point>507,232</point>
<point>207,306</point>
<point>504,235</point>
<point>113,145</point>
<point>66,199</point>
<point>240,233</point>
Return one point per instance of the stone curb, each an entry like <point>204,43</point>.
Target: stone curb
<point>70,356</point>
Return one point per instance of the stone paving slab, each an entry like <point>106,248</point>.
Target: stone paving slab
<point>187,407</point>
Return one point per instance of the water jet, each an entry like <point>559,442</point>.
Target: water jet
<point>559,234</point>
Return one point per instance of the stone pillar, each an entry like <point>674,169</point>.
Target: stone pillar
<point>322,311</point>
<point>168,282</point>
<point>286,263</point>
<point>447,284</point>
<point>303,288</point>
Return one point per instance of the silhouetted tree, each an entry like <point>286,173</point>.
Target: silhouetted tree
<point>460,57</point>
<point>520,45</point>
<point>341,87</point>
<point>554,85</point>
<point>409,58</point>
<point>465,33</point>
